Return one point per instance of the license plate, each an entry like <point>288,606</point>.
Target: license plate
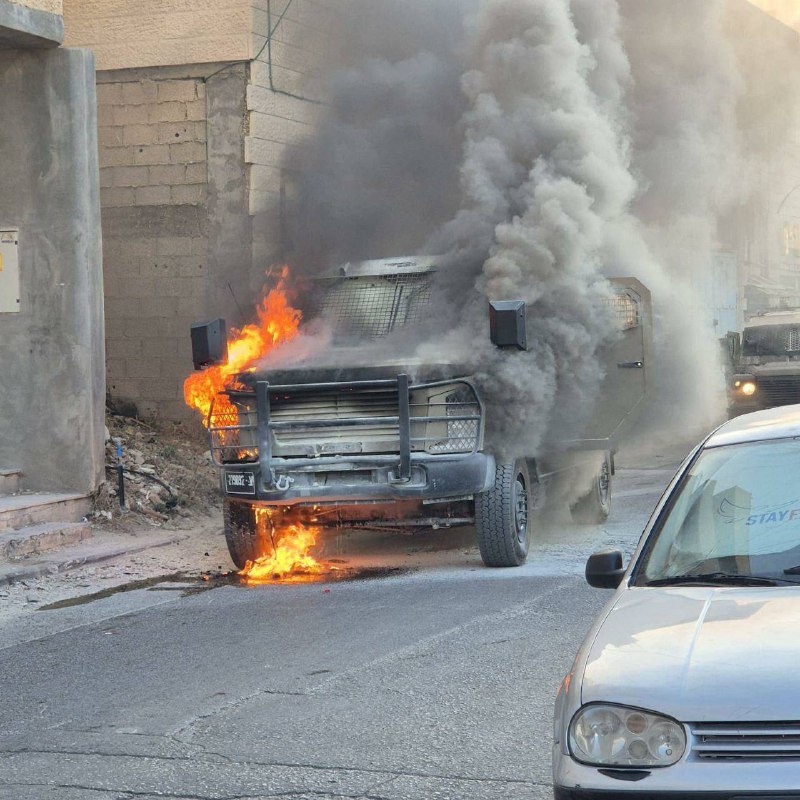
<point>240,483</point>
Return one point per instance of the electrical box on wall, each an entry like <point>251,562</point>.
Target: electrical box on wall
<point>9,271</point>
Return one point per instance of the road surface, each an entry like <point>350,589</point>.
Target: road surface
<point>436,682</point>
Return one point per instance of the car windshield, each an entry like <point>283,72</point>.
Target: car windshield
<point>369,307</point>
<point>736,512</point>
<point>771,340</point>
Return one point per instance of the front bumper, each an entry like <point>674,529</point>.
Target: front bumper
<point>689,778</point>
<point>431,478</point>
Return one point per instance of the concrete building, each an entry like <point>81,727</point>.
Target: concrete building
<point>197,102</point>
<point>763,234</point>
<point>51,299</point>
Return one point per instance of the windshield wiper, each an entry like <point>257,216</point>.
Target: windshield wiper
<point>720,578</point>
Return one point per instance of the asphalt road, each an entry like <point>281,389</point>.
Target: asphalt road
<point>434,683</point>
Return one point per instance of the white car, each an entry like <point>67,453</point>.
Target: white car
<point>688,685</point>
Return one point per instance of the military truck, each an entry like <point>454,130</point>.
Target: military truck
<point>765,363</point>
<point>364,436</point>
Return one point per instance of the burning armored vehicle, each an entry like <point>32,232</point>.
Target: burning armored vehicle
<point>765,360</point>
<point>362,437</point>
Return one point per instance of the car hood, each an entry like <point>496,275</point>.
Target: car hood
<point>700,654</point>
<point>355,364</point>
<point>780,366</point>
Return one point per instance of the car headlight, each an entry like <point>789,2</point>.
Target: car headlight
<point>615,736</point>
<point>748,388</point>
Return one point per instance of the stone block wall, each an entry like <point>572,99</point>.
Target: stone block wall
<point>283,103</point>
<point>154,187</point>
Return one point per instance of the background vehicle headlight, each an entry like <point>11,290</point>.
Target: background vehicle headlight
<point>748,388</point>
<point>615,736</point>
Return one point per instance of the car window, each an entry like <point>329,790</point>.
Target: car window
<point>737,510</point>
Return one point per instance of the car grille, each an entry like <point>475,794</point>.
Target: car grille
<point>461,435</point>
<point>347,421</point>
<point>780,390</point>
<point>299,441</point>
<point>751,741</point>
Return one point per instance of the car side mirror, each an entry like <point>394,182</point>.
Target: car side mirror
<point>605,570</point>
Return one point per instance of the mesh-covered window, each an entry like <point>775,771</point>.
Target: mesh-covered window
<point>369,307</point>
<point>793,339</point>
<point>626,310</point>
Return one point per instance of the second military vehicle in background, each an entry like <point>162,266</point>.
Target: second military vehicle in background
<point>765,363</point>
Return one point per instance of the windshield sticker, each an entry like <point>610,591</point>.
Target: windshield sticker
<point>773,516</point>
<point>765,515</point>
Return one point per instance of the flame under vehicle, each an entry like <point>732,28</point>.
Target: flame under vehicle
<point>764,363</point>
<point>360,436</point>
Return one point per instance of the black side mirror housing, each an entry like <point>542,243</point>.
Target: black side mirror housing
<point>605,570</point>
<point>209,343</point>
<point>507,326</point>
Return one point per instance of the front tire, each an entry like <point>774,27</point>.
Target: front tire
<point>502,517</point>
<point>595,506</point>
<point>241,533</point>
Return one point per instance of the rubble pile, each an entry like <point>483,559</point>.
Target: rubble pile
<point>167,468</point>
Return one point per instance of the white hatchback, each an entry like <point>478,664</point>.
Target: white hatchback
<point>688,685</point>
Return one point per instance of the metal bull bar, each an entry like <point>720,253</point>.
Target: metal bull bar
<point>266,424</point>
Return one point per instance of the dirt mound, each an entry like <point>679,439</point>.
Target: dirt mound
<point>167,468</point>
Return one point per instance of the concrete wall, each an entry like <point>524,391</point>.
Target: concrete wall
<point>30,23</point>
<point>53,6</point>
<point>51,351</point>
<point>146,33</point>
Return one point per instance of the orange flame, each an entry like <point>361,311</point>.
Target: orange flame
<point>277,323</point>
<point>290,559</point>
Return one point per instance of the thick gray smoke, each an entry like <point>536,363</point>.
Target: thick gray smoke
<point>383,166</point>
<point>540,145</point>
<point>545,172</point>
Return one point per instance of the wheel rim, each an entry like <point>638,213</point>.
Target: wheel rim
<point>521,508</point>
<point>604,483</point>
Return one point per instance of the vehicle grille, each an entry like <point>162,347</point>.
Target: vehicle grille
<point>338,422</point>
<point>299,441</point>
<point>793,339</point>
<point>780,390</point>
<point>232,428</point>
<point>751,741</point>
<point>461,435</point>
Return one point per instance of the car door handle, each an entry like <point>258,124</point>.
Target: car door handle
<point>631,365</point>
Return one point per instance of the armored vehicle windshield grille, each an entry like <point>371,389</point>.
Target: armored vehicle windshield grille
<point>793,339</point>
<point>370,307</point>
<point>625,309</point>
<point>746,741</point>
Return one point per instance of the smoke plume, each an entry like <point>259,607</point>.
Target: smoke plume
<point>540,146</point>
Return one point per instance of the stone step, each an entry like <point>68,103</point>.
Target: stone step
<point>37,539</point>
<point>9,481</point>
<point>22,510</point>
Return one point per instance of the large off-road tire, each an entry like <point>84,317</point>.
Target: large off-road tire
<point>241,533</point>
<point>595,506</point>
<point>502,517</point>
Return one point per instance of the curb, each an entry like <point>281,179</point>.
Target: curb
<point>71,558</point>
